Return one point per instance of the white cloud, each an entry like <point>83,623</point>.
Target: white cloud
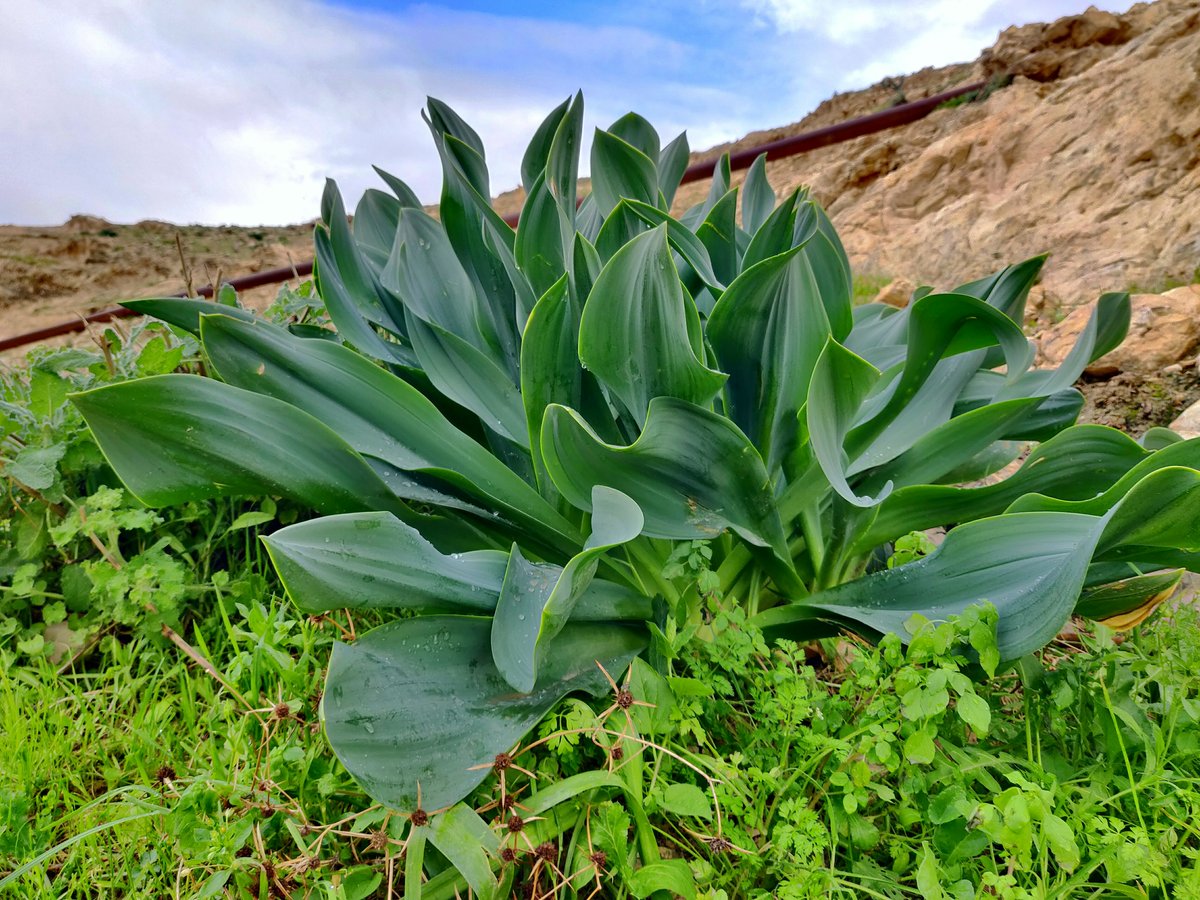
<point>228,111</point>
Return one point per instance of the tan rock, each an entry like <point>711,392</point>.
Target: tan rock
<point>1164,329</point>
<point>1188,423</point>
<point>897,292</point>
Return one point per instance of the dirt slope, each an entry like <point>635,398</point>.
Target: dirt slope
<point>49,275</point>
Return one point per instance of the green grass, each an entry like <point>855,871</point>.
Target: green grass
<point>1166,284</point>
<point>188,761</point>
<point>867,285</point>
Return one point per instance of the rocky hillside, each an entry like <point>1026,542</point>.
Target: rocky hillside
<point>1088,147</point>
<point>1091,153</point>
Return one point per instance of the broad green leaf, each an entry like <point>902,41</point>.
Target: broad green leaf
<point>1007,290</point>
<point>681,240</point>
<point>768,330</point>
<point>470,378</point>
<point>1105,497</point>
<point>533,163</point>
<point>419,702</point>
<point>469,844</point>
<point>373,560</point>
<point>1129,594</point>
<point>620,170</point>
<point>718,234</point>
<point>424,271</point>
<point>354,322</point>
<point>185,312</point>
<point>474,228</point>
<point>550,370</point>
<point>1030,566</point>
<point>537,599</point>
<point>687,800</point>
<point>758,197</point>
<point>718,187</point>
<point>375,220</point>
<point>832,269</point>
<point>379,414</point>
<point>562,167</point>
<point>670,876</point>
<point>949,445</point>
<point>672,163</point>
<point>1161,510</point>
<point>939,326</point>
<point>407,197</point>
<point>539,247</point>
<point>175,438</point>
<point>1108,322</point>
<point>774,236</point>
<point>637,132</point>
<point>636,333</point>
<point>840,382</point>
<point>354,299</point>
<point>692,472</point>
<point>1076,464</point>
<point>1158,438</point>
<point>444,120</point>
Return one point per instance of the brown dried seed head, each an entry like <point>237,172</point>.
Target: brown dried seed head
<point>617,753</point>
<point>379,840</point>
<point>719,845</point>
<point>305,864</point>
<point>599,859</point>
<point>547,851</point>
<point>507,802</point>
<point>281,711</point>
<point>516,824</point>
<point>508,855</point>
<point>164,774</point>
<point>419,818</point>
<point>624,698</point>
<point>502,762</point>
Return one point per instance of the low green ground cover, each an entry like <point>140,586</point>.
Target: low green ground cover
<point>139,765</point>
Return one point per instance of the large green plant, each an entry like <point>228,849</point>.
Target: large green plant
<point>510,433</point>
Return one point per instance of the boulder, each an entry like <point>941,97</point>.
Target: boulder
<point>1164,329</point>
<point>896,293</point>
<point>1188,423</point>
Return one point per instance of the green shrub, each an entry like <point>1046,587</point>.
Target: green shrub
<point>553,449</point>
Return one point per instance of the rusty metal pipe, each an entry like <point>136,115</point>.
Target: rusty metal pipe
<point>905,114</point>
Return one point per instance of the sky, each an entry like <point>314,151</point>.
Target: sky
<point>235,111</point>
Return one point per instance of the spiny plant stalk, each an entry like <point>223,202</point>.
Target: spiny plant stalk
<point>515,437</point>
